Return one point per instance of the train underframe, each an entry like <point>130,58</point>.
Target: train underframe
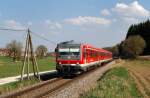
<point>78,68</point>
<point>68,69</point>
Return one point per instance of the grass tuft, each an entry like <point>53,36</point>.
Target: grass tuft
<point>116,83</point>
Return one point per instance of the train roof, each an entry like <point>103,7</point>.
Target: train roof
<point>69,43</point>
<point>72,42</point>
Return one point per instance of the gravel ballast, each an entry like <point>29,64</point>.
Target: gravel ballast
<point>81,85</point>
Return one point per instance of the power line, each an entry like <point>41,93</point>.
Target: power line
<point>43,38</point>
<point>9,29</point>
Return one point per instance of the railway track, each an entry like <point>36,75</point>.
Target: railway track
<point>46,88</point>
<point>38,90</point>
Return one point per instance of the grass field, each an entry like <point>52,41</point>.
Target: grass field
<point>140,71</point>
<point>116,83</point>
<point>130,80</point>
<point>17,85</point>
<point>10,68</point>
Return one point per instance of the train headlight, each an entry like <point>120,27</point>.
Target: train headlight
<point>59,62</point>
<point>77,62</point>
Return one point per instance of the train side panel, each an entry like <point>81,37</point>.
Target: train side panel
<point>89,57</point>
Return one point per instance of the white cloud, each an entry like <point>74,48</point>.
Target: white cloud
<point>53,25</point>
<point>105,12</point>
<point>133,9</point>
<point>88,20</point>
<point>13,24</point>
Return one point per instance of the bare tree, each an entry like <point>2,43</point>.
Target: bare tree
<point>15,49</point>
<point>41,51</point>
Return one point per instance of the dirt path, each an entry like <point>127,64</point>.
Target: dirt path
<point>141,74</point>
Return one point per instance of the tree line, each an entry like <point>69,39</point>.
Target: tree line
<point>17,52</point>
<point>142,29</point>
<point>137,42</point>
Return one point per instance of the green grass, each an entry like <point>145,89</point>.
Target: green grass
<point>116,83</point>
<point>17,85</point>
<point>10,68</point>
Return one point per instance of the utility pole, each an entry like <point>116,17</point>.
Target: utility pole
<point>29,56</point>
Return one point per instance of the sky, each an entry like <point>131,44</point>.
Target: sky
<point>101,23</point>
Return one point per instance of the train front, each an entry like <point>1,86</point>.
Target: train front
<point>68,57</point>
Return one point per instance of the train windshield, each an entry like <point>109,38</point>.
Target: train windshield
<point>69,53</point>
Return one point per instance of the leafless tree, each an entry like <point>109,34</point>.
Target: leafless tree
<point>15,49</point>
<point>41,51</point>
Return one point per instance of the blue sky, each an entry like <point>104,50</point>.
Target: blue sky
<point>98,22</point>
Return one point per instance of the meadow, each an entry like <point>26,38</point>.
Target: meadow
<point>130,80</point>
<point>9,68</point>
<point>116,83</point>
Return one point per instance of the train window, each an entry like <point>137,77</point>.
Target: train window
<point>69,53</point>
<point>94,54</point>
<point>102,53</point>
<point>85,53</point>
<point>99,54</point>
<point>91,54</point>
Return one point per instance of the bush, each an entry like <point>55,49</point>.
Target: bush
<point>132,47</point>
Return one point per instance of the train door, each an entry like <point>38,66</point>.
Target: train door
<point>88,55</point>
<point>85,56</point>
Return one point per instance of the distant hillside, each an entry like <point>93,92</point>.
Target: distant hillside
<point>142,29</point>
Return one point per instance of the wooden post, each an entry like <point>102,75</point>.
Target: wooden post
<point>34,62</point>
<point>25,57</point>
<point>29,55</point>
<point>28,58</point>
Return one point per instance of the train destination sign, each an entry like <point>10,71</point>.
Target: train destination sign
<point>69,50</point>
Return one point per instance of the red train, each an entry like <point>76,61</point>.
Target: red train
<point>74,57</point>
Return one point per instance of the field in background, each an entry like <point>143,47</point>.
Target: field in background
<point>10,68</point>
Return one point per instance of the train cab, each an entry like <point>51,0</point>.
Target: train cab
<point>68,56</point>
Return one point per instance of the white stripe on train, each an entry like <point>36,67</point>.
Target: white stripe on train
<point>96,62</point>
